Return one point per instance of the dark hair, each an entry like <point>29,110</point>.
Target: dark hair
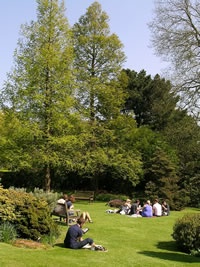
<point>71,198</point>
<point>80,221</point>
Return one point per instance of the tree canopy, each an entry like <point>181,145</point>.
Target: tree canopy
<point>176,38</point>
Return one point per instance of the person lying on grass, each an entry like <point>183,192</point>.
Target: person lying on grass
<point>74,238</point>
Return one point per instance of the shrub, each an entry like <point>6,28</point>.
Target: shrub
<point>186,232</point>
<point>107,197</point>
<point>8,232</point>
<point>30,215</point>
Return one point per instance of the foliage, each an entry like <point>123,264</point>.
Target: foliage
<point>8,232</point>
<point>163,180</point>
<point>151,99</point>
<point>183,133</point>
<point>30,215</point>
<point>37,98</point>
<point>175,37</point>
<point>109,196</point>
<point>186,232</point>
<point>98,61</point>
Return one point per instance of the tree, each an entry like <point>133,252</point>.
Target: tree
<point>176,38</point>
<point>151,100</point>
<point>183,133</point>
<point>163,180</point>
<point>98,62</point>
<point>38,93</point>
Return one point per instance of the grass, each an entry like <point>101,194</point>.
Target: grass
<point>134,242</point>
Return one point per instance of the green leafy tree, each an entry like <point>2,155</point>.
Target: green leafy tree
<point>38,92</point>
<point>164,180</point>
<point>183,133</point>
<point>98,62</point>
<point>151,100</point>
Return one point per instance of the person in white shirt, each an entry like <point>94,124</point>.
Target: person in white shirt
<point>157,208</point>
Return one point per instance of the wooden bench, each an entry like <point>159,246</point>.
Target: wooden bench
<point>84,195</point>
<point>63,212</point>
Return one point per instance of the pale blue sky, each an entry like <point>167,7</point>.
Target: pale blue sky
<point>128,19</point>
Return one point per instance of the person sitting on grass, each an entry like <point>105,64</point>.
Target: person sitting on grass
<point>125,208</point>
<point>147,209</point>
<point>74,237</point>
<point>157,208</point>
<point>165,208</point>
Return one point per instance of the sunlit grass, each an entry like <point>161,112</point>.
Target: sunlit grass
<point>130,242</point>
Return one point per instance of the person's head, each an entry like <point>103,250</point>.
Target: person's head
<point>128,200</point>
<point>80,222</point>
<point>72,198</point>
<point>148,202</point>
<point>65,196</point>
<point>138,201</point>
<point>155,200</point>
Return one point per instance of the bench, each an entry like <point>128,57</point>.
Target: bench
<point>63,212</point>
<point>84,195</point>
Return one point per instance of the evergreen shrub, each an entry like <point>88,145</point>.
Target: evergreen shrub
<point>186,232</point>
<point>30,215</point>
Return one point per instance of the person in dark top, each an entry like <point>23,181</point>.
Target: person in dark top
<point>135,207</point>
<point>165,208</point>
<point>74,235</point>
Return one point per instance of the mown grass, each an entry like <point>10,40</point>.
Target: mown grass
<point>130,242</point>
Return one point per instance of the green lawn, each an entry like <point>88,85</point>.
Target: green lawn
<point>130,242</point>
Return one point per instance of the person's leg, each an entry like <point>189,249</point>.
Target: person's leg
<point>82,243</point>
<point>83,215</point>
<point>88,217</point>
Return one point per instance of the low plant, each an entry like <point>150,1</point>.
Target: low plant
<point>186,232</point>
<point>107,197</point>
<point>8,233</point>
<point>30,215</point>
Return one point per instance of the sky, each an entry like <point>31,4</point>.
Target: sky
<point>127,19</point>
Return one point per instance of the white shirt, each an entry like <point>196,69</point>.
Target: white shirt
<point>157,209</point>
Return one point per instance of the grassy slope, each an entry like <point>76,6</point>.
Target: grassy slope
<point>130,242</point>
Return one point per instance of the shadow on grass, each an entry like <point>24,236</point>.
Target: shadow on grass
<point>170,256</point>
<point>169,245</point>
<point>177,257</point>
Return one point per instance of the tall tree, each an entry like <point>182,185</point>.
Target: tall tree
<point>151,100</point>
<point>99,58</point>
<point>98,62</point>
<point>39,89</point>
<point>176,38</point>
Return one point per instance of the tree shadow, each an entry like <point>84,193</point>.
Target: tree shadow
<point>169,256</point>
<point>169,245</point>
<point>173,255</point>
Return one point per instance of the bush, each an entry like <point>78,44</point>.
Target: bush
<point>8,232</point>
<point>186,232</point>
<point>30,215</point>
<point>107,197</point>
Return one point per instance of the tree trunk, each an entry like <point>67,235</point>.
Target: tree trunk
<point>47,178</point>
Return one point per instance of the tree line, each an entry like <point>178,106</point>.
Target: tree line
<point>72,117</point>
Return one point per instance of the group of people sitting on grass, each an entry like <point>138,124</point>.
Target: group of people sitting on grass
<point>148,210</point>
